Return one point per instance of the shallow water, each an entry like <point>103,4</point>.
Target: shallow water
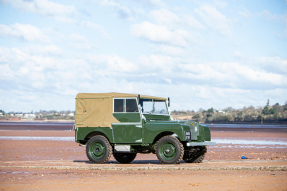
<point>249,142</point>
<point>267,126</point>
<point>20,138</point>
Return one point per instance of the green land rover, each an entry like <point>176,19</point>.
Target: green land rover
<point>126,124</point>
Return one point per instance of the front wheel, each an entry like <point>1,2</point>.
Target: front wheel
<point>169,150</point>
<point>125,158</point>
<point>98,149</point>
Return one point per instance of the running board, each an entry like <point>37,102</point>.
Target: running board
<point>205,143</point>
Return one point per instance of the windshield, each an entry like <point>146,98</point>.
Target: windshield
<point>154,107</point>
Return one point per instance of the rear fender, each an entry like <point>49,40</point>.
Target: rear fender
<point>83,134</point>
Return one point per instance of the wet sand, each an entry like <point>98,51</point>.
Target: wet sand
<point>34,126</point>
<point>15,153</point>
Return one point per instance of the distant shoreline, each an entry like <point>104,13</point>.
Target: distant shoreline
<point>38,121</point>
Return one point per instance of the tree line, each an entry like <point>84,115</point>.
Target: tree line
<point>274,113</point>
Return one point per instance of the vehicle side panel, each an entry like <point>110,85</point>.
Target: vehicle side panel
<point>127,117</point>
<point>129,133</point>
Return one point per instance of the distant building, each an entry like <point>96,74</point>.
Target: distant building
<point>19,115</point>
<point>71,114</point>
<point>219,111</point>
<point>29,116</point>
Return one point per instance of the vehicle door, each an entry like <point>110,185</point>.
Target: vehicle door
<point>129,128</point>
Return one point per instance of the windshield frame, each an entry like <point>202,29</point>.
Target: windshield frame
<point>153,102</point>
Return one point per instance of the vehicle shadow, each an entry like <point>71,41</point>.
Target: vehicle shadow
<point>134,162</point>
<point>115,162</point>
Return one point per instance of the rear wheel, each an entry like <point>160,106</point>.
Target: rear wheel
<point>125,158</point>
<point>169,150</point>
<point>98,149</point>
<point>195,154</point>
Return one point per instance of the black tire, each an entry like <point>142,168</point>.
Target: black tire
<point>125,158</point>
<point>98,149</point>
<point>195,154</point>
<point>169,150</point>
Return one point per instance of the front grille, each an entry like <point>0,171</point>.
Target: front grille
<point>194,129</point>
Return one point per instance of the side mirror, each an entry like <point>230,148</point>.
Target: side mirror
<point>168,102</point>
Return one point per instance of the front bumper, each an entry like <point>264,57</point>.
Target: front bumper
<point>205,143</point>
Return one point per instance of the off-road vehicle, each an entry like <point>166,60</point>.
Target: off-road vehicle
<point>126,124</point>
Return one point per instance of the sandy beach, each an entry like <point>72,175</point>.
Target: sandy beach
<point>62,164</point>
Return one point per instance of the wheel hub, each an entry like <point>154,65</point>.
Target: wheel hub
<point>168,151</point>
<point>97,150</point>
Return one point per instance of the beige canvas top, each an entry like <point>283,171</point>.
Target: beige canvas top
<point>96,109</point>
<point>116,95</point>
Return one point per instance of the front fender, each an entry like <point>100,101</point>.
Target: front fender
<point>151,130</point>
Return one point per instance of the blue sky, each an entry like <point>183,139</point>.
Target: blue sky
<point>200,54</point>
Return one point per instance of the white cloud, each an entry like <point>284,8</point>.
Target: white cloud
<point>205,72</point>
<point>238,54</point>
<point>78,37</point>
<point>84,45</point>
<point>164,16</point>
<point>43,50</point>
<point>184,43</point>
<point>220,4</point>
<point>154,2</point>
<point>45,8</point>
<point>252,75</point>
<point>25,61</point>
<point>96,27</point>
<point>153,74</point>
<point>23,32</point>
<point>119,64</point>
<point>158,63</point>
<point>3,56</point>
<point>6,72</point>
<point>244,13</point>
<point>123,12</point>
<point>172,20</point>
<point>269,16</point>
<point>169,50</point>
<point>272,64</point>
<point>191,21</point>
<point>13,55</point>
<point>215,20</point>
<point>234,75</point>
<point>158,33</point>
<point>113,62</point>
<point>82,42</point>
